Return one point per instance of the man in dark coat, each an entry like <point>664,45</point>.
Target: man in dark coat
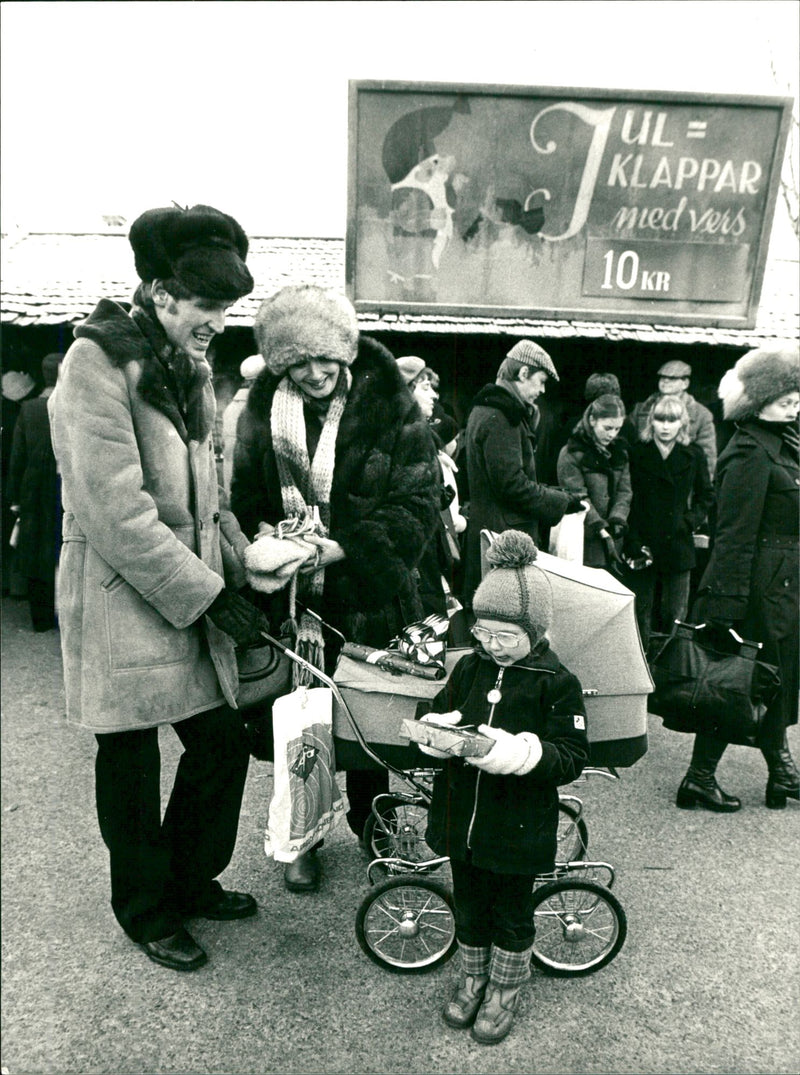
<point>500,447</point>
<point>34,496</point>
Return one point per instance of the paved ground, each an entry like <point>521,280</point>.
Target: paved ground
<point>707,981</point>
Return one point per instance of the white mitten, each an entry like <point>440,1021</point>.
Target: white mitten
<point>447,720</point>
<point>511,754</point>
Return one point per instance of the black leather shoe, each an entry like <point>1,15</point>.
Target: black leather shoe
<point>179,951</point>
<point>303,874</point>
<point>706,793</point>
<point>227,906</point>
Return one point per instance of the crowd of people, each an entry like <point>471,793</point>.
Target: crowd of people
<point>161,556</point>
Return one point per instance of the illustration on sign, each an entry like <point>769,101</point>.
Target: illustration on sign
<point>595,206</point>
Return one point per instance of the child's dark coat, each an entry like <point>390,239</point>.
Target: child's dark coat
<point>508,824</point>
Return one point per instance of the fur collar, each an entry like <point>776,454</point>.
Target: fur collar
<point>123,340</point>
<point>514,410</point>
<point>614,457</point>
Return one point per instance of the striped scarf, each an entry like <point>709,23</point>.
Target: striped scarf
<point>306,497</point>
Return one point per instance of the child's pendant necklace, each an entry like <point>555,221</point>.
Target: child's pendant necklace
<point>495,694</point>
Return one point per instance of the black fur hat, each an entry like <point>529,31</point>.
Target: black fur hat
<point>201,248</point>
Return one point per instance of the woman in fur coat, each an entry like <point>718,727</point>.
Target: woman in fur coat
<point>751,582</point>
<point>331,432</point>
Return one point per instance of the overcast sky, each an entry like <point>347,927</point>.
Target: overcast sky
<point>111,108</point>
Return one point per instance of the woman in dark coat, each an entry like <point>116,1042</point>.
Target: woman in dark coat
<point>671,497</point>
<point>339,400</point>
<point>33,492</point>
<point>594,464</point>
<point>751,582</point>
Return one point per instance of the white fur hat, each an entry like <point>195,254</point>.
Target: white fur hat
<point>758,378</point>
<point>306,321</point>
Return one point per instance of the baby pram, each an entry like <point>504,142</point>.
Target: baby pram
<point>406,921</point>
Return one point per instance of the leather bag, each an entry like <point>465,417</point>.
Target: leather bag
<point>710,681</point>
<point>265,673</point>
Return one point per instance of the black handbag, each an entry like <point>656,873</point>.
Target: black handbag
<point>710,681</point>
<point>265,673</point>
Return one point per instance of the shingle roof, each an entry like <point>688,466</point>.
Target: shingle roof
<point>51,279</point>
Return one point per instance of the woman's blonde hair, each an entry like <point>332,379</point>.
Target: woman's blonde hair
<point>668,407</point>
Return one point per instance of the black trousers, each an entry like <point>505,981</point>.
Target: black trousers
<point>161,870</point>
<point>492,908</point>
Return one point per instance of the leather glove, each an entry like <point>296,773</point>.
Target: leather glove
<point>511,754</point>
<point>237,618</point>
<point>448,720</point>
<point>617,528</point>
<point>575,504</point>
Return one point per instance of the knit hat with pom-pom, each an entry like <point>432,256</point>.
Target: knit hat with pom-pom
<point>514,589</point>
<point>758,378</point>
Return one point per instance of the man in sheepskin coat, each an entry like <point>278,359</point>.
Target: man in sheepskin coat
<point>148,621</point>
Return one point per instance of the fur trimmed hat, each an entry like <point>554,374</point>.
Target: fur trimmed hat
<point>515,590</point>
<point>201,248</point>
<point>305,321</point>
<point>758,378</point>
<point>527,353</point>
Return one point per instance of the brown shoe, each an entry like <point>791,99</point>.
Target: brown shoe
<point>303,874</point>
<point>461,1009</point>
<point>496,1015</point>
<point>179,951</point>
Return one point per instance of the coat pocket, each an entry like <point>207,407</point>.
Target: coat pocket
<point>137,635</point>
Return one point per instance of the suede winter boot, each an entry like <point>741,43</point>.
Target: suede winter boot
<point>784,780</point>
<point>507,974</point>
<point>699,787</point>
<point>462,1007</point>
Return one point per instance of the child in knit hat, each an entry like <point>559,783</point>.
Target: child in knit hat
<point>496,817</point>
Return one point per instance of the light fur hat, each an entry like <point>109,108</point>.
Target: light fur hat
<point>758,378</point>
<point>251,367</point>
<point>17,385</point>
<point>528,353</point>
<point>305,321</point>
<point>515,590</point>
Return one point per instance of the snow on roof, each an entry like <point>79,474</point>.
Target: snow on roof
<point>51,279</point>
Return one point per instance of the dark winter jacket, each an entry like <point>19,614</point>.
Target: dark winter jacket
<point>702,430</point>
<point>602,476</point>
<point>752,574</point>
<point>385,497</point>
<point>503,491</point>
<point>33,487</point>
<point>508,824</point>
<point>671,499</point>
<point>146,545</point>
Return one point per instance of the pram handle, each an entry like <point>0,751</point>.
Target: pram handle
<point>362,742</point>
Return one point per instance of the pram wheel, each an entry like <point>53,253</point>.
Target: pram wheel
<point>573,836</point>
<point>407,925</point>
<point>580,927</point>
<point>400,832</point>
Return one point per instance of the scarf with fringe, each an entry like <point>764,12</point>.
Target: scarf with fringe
<point>306,496</point>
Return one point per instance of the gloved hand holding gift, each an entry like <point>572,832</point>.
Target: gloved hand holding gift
<point>511,755</point>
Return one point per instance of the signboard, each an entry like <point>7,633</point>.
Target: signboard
<point>581,204</point>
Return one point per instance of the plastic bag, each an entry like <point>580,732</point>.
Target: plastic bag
<point>566,537</point>
<point>306,799</point>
